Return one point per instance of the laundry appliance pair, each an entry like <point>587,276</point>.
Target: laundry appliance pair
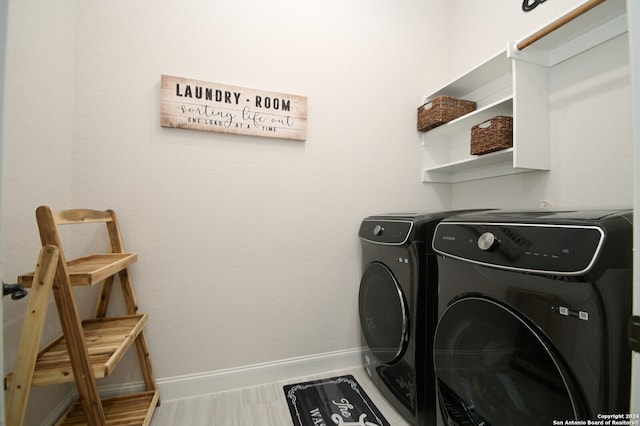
<point>498,317</point>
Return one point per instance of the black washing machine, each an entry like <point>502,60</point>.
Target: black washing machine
<point>533,309</point>
<point>397,307</point>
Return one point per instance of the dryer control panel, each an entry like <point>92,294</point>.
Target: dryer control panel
<point>555,249</point>
<point>390,232</point>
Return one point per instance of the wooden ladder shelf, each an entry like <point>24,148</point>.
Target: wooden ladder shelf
<point>88,349</point>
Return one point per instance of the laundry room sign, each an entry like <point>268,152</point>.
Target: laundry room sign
<point>214,107</point>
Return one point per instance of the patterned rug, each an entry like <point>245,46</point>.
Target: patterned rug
<point>333,401</point>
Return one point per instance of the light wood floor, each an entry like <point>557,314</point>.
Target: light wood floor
<point>263,405</point>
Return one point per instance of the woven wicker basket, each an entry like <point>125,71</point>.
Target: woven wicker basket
<point>442,109</point>
<point>492,135</point>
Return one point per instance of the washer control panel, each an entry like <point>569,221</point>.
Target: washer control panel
<point>559,249</point>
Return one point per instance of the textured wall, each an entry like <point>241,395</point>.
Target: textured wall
<point>248,246</point>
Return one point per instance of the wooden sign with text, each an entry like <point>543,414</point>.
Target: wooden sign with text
<point>213,107</point>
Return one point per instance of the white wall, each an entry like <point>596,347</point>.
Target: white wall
<point>248,248</point>
<point>37,135</point>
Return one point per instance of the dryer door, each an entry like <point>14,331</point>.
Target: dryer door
<point>492,368</point>
<point>383,313</point>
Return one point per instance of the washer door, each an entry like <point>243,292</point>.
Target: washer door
<point>492,368</point>
<point>383,313</point>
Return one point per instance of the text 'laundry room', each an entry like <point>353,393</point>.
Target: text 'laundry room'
<point>340,213</point>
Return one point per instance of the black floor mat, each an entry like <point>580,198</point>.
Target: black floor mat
<point>333,401</point>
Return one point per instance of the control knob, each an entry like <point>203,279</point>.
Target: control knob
<point>487,241</point>
<point>378,230</point>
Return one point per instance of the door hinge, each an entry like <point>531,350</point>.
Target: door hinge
<point>16,291</point>
<point>633,332</point>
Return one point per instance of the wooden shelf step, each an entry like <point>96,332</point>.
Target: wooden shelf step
<point>130,410</point>
<point>91,269</point>
<point>107,340</point>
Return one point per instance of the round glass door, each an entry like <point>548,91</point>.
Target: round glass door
<point>493,369</point>
<point>383,313</point>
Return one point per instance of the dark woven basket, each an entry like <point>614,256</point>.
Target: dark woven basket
<point>492,135</point>
<point>441,110</point>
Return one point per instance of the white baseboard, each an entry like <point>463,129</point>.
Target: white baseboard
<point>60,409</point>
<point>257,374</point>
